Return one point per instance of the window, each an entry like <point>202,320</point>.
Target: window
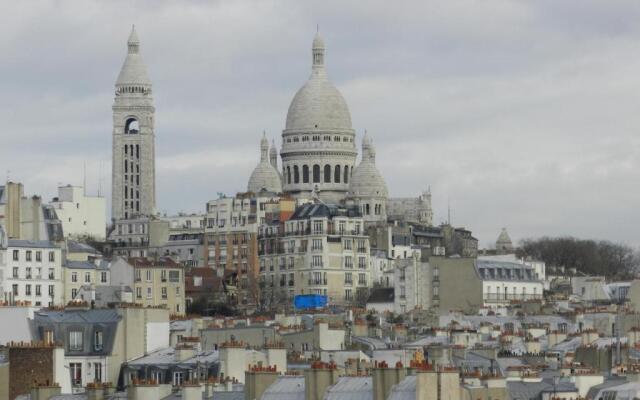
<point>74,292</point>
<point>38,290</point>
<point>97,340</point>
<point>178,378</point>
<point>348,244</point>
<point>51,291</point>
<point>296,174</point>
<point>38,256</point>
<point>149,295</point>
<point>74,277</point>
<point>28,255</point>
<point>164,292</point>
<point>316,244</point>
<point>317,227</point>
<point>346,174</point>
<point>15,255</point>
<point>362,262</point>
<point>305,174</point>
<point>148,275</point>
<point>28,273</point>
<point>27,290</point>
<point>348,262</point>
<point>75,340</point>
<point>76,373</point>
<point>103,276</point>
<point>336,175</point>
<point>138,293</point>
<point>177,290</point>
<point>15,272</point>
<point>348,280</point>
<point>316,173</point>
<point>327,173</point>
<point>48,336</point>
<point>163,276</point>
<point>87,277</point>
<point>52,256</point>
<point>97,372</point>
<point>348,294</point>
<point>14,289</point>
<point>362,279</point>
<point>138,275</point>
<point>52,274</point>
<point>316,261</point>
<point>174,276</point>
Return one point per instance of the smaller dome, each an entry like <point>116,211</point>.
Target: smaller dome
<point>503,238</point>
<point>264,177</point>
<point>366,180</point>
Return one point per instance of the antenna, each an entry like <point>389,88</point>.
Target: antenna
<point>84,177</point>
<point>448,211</point>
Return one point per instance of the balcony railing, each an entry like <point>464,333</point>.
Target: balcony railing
<point>502,297</point>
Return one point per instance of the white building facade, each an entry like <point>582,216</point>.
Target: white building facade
<point>32,273</point>
<point>80,215</point>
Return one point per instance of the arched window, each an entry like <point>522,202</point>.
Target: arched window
<point>366,207</point>
<point>327,173</point>
<point>336,175</point>
<point>131,126</point>
<point>305,174</point>
<point>289,175</point>
<point>346,174</point>
<point>296,174</point>
<point>316,173</point>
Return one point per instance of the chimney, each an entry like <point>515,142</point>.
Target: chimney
<point>440,383</point>
<point>45,391</point>
<point>94,391</point>
<point>384,378</point>
<point>257,379</point>
<point>318,379</point>
<point>184,352</point>
<point>191,391</point>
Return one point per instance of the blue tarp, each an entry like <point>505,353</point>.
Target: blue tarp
<point>310,301</point>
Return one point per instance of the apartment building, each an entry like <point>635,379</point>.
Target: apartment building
<point>321,249</point>
<point>32,272</point>
<point>159,282</point>
<point>230,240</point>
<point>77,274</point>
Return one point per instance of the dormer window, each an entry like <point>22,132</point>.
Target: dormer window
<point>97,340</point>
<point>75,341</point>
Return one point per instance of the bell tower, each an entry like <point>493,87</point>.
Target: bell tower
<point>133,154</point>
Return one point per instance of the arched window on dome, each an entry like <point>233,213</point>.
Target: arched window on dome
<point>296,174</point>
<point>327,173</point>
<point>305,174</point>
<point>336,175</point>
<point>346,174</point>
<point>131,126</point>
<point>289,175</point>
<point>316,173</point>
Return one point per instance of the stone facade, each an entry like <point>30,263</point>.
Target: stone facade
<point>133,162</point>
<point>412,209</point>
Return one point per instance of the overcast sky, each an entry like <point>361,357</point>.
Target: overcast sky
<point>524,114</point>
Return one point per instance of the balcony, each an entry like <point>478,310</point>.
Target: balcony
<point>290,283</point>
<point>502,297</point>
<point>317,282</point>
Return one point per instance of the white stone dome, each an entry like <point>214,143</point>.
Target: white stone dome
<point>318,104</point>
<point>264,177</point>
<point>367,181</point>
<point>133,71</point>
